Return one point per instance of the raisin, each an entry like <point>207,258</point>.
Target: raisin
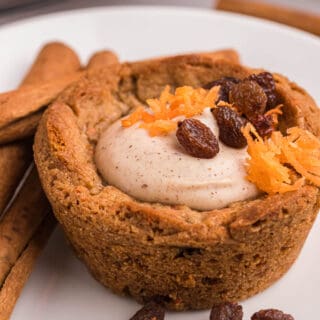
<point>151,311</point>
<point>230,124</point>
<point>248,97</point>
<point>271,314</point>
<point>225,83</point>
<point>197,139</point>
<point>226,311</point>
<point>266,81</point>
<point>263,124</point>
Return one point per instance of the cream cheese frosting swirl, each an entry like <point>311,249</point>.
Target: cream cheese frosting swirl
<point>157,169</point>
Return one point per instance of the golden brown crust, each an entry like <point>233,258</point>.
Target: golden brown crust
<point>190,258</point>
<point>147,79</point>
<point>300,109</point>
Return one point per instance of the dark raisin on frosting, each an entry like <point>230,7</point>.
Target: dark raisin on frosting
<point>197,139</point>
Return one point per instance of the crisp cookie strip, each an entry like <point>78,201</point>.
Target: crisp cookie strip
<point>24,127</point>
<point>24,217</point>
<point>21,221</point>
<point>54,61</point>
<point>14,161</point>
<point>35,98</point>
<point>20,272</point>
<point>122,240</point>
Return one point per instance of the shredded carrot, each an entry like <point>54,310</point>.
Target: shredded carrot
<point>282,163</point>
<point>301,149</point>
<point>276,165</point>
<point>275,112</point>
<point>159,127</point>
<point>159,118</point>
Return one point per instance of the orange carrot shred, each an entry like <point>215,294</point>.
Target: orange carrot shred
<point>275,112</point>
<point>268,167</point>
<point>160,118</point>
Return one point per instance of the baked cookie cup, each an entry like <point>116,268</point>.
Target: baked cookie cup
<point>189,259</point>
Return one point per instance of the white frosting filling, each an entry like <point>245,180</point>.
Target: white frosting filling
<point>157,169</point>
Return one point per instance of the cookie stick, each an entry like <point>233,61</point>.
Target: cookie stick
<point>21,271</point>
<point>22,128</point>
<point>54,61</point>
<point>26,126</point>
<point>14,161</point>
<point>21,221</point>
<point>16,157</point>
<point>16,216</point>
<point>102,59</point>
<point>18,105</point>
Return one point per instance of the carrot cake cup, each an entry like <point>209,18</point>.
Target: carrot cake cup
<point>188,258</point>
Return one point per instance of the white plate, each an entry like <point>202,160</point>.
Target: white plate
<point>60,288</point>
